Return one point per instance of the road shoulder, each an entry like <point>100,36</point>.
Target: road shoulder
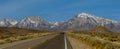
<point>76,44</point>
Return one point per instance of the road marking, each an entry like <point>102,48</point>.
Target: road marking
<point>65,41</point>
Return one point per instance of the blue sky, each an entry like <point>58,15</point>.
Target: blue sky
<point>59,10</point>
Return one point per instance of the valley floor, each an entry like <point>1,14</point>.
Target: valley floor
<point>71,40</point>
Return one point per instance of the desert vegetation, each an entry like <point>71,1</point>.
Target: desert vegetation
<point>99,38</point>
<point>9,35</point>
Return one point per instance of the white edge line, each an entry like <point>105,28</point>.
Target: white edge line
<point>65,41</point>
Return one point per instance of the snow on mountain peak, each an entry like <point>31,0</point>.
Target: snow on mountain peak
<point>13,22</point>
<point>32,20</point>
<point>56,23</point>
<point>98,19</point>
<point>80,22</point>
<point>84,18</point>
<point>2,23</point>
<point>8,22</point>
<point>84,15</point>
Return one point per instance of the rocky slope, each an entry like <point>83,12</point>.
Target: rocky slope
<point>85,21</point>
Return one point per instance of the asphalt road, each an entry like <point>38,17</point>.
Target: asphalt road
<point>55,43</point>
<point>25,44</point>
<point>48,42</point>
<point>58,42</point>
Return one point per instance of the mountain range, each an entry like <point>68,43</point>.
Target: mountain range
<point>80,22</point>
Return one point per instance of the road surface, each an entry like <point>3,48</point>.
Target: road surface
<point>58,41</point>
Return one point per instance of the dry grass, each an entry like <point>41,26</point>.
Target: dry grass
<point>9,35</point>
<point>99,38</point>
<point>95,42</point>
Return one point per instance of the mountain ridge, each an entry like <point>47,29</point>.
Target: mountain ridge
<point>81,21</point>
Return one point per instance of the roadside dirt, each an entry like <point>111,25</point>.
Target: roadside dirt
<point>76,44</point>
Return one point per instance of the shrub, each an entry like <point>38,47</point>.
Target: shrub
<point>89,38</point>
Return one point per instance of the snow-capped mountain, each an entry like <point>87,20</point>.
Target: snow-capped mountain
<point>81,21</point>
<point>33,23</point>
<point>86,21</point>
<point>54,24</point>
<point>8,23</point>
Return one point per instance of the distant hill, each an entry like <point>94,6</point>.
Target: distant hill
<point>17,31</point>
<point>101,29</point>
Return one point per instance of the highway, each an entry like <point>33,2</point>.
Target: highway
<point>57,41</point>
